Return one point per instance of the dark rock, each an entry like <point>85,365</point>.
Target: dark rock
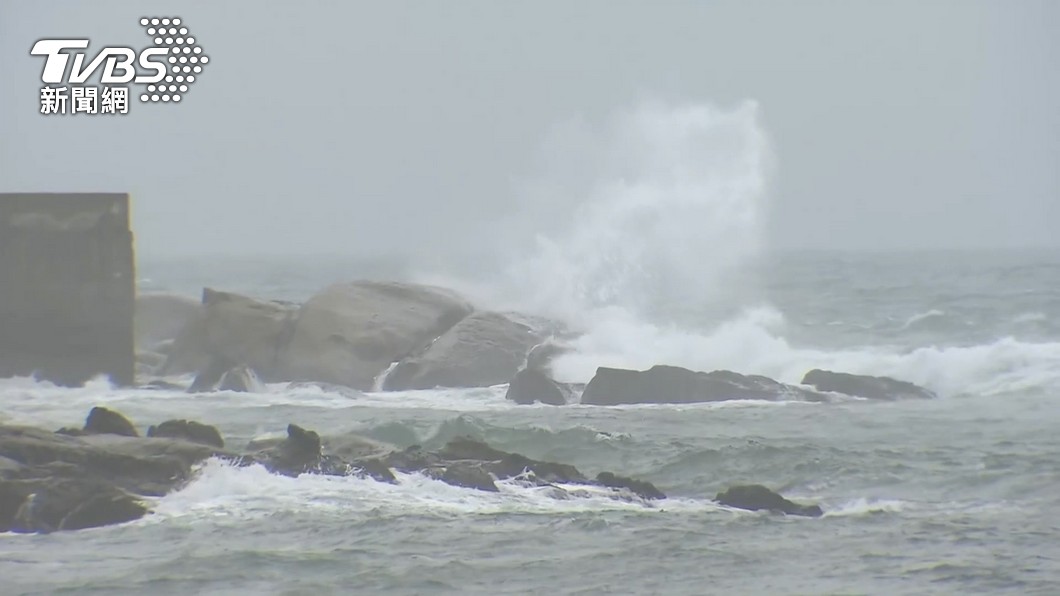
<point>483,349</point>
<point>189,431</point>
<point>103,421</point>
<point>350,333</point>
<point>467,476</point>
<point>103,510</point>
<point>671,384</point>
<point>47,505</point>
<point>756,497</point>
<point>149,467</point>
<point>884,388</point>
<point>641,488</point>
<point>299,453</point>
<point>530,385</point>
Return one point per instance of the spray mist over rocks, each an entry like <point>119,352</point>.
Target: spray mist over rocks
<point>646,235</point>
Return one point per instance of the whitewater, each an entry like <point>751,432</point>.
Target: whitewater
<point>650,241</point>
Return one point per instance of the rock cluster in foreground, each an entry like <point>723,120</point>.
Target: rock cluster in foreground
<point>99,474</point>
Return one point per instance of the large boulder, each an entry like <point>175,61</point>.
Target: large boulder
<point>533,385</point>
<point>484,349</point>
<point>756,497</point>
<point>236,330</point>
<point>672,384</point>
<point>160,318</point>
<point>350,333</point>
<point>865,386</point>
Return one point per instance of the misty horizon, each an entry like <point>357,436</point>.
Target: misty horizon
<point>890,132</point>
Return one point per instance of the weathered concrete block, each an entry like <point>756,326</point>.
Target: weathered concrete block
<point>67,286</point>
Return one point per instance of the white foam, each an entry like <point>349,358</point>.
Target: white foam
<point>242,494</point>
<point>922,316</point>
<point>864,506</point>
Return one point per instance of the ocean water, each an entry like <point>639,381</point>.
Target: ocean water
<point>957,495</point>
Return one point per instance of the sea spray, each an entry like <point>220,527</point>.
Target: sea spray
<point>645,237</point>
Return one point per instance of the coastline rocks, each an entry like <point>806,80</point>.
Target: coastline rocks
<point>232,329</point>
<point>756,497</point>
<point>350,333</point>
<point>53,481</point>
<point>483,349</point>
<point>533,385</point>
<point>188,430</point>
<point>671,384</point>
<point>882,388</point>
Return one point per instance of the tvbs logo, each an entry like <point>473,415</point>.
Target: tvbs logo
<point>166,70</point>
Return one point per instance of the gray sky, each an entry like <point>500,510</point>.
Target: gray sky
<point>407,128</point>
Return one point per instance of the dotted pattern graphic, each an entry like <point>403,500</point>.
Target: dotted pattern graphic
<point>185,59</point>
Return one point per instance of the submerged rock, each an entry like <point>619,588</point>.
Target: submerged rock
<point>483,349</point>
<point>532,385</point>
<point>884,388</point>
<point>756,497</point>
<point>672,384</point>
<point>350,333</point>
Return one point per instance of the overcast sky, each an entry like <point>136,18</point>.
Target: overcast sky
<point>406,128</point>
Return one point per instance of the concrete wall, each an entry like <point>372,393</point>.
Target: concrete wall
<point>67,286</point>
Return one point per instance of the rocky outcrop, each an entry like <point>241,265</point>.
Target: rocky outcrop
<point>671,384</point>
<point>233,330</point>
<point>350,333</point>
<point>51,481</point>
<point>483,349</point>
<point>533,385</point>
<point>188,430</point>
<point>883,388</point>
<point>756,497</point>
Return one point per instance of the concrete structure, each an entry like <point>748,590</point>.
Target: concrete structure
<point>67,286</point>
